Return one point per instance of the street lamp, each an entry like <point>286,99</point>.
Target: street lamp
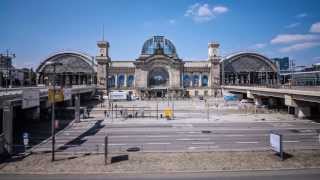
<point>53,64</point>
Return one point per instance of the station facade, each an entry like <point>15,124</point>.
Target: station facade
<point>158,71</point>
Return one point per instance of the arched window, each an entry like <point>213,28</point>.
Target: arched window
<point>121,80</point>
<point>186,81</point>
<point>204,80</point>
<point>111,81</point>
<point>130,80</point>
<point>195,80</point>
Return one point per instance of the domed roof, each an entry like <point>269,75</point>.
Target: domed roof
<point>158,42</point>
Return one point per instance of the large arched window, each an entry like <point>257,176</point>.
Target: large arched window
<point>121,80</point>
<point>111,81</point>
<point>204,80</point>
<point>195,80</point>
<point>186,81</point>
<point>158,77</point>
<point>130,80</point>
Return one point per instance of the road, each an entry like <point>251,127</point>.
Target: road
<point>181,137</point>
<point>311,174</point>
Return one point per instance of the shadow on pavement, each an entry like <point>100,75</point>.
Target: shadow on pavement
<point>80,139</point>
<point>119,158</point>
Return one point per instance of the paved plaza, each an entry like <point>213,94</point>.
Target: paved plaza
<point>190,131</point>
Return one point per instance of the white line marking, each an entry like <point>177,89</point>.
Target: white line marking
<point>199,139</point>
<point>291,141</point>
<point>203,143</point>
<point>199,147</point>
<point>157,143</point>
<point>234,135</point>
<point>240,142</point>
<point>117,144</point>
<point>157,136</point>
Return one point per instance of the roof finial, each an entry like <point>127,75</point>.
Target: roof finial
<point>102,32</point>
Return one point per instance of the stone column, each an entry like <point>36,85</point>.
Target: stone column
<point>116,80</point>
<point>200,80</point>
<point>7,125</point>
<point>77,108</point>
<point>125,80</point>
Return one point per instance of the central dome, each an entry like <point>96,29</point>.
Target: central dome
<point>155,43</point>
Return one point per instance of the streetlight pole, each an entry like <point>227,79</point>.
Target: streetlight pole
<point>53,109</point>
<point>53,113</point>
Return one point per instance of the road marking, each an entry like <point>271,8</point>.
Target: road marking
<point>253,142</point>
<point>190,132</point>
<point>199,139</point>
<point>203,143</point>
<point>157,136</point>
<point>291,141</point>
<point>117,144</point>
<point>234,135</point>
<point>198,147</point>
<point>155,143</point>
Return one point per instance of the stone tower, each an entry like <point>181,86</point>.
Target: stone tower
<point>103,61</point>
<point>214,60</point>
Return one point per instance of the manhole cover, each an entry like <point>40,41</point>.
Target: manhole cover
<point>133,149</point>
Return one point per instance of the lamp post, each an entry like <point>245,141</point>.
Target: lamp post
<point>53,64</point>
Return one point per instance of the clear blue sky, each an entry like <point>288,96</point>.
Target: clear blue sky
<point>34,29</point>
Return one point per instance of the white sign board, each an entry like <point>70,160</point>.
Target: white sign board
<point>67,94</point>
<point>26,139</point>
<point>30,98</point>
<point>275,142</point>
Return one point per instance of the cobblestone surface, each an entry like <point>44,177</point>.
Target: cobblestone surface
<point>163,162</point>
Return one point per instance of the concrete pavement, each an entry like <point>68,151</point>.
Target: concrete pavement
<point>184,137</point>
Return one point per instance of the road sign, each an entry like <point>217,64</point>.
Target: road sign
<point>58,95</point>
<point>56,124</point>
<point>167,113</point>
<point>25,139</point>
<point>67,94</point>
<point>276,143</point>
<point>30,98</point>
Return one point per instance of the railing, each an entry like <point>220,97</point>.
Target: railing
<point>275,86</point>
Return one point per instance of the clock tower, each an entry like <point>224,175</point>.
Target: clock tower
<point>104,62</point>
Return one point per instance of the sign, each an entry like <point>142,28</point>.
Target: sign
<point>25,139</point>
<point>276,143</point>
<point>167,112</point>
<point>30,98</point>
<point>58,95</point>
<point>56,124</point>
<point>67,94</point>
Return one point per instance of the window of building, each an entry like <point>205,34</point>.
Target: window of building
<point>111,81</point>
<point>195,80</point>
<point>130,80</point>
<point>204,81</point>
<point>121,80</point>
<point>186,81</point>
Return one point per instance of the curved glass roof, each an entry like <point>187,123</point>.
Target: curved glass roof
<point>158,42</point>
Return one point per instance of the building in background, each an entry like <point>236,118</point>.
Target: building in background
<point>283,63</point>
<point>14,77</point>
<point>158,71</point>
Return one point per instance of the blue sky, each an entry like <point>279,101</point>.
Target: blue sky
<point>34,29</point>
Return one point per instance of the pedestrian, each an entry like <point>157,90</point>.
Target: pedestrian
<point>105,113</point>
